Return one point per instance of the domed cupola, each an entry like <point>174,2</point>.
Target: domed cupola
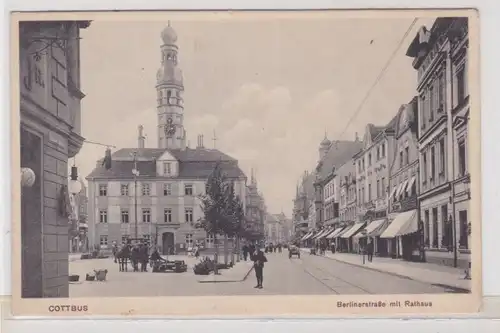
<point>324,146</point>
<point>168,35</point>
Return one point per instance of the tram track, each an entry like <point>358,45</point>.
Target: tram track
<point>303,263</point>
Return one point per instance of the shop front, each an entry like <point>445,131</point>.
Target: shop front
<point>353,243</point>
<point>403,236</point>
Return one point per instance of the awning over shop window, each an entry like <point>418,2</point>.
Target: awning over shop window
<point>404,224</point>
<point>393,191</point>
<point>371,228</point>
<point>306,236</point>
<point>410,184</point>
<point>337,232</point>
<point>355,228</point>
<point>330,231</point>
<point>321,234</point>
<point>402,188</point>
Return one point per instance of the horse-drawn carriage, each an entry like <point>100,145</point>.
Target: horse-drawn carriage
<point>161,266</point>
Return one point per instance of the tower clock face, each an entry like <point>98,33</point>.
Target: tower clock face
<point>170,127</point>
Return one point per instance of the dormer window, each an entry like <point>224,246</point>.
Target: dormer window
<point>167,168</point>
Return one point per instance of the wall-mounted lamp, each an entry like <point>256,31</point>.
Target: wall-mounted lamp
<point>74,184</point>
<point>28,177</point>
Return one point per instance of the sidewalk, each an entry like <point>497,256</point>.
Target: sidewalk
<point>238,273</point>
<point>422,272</point>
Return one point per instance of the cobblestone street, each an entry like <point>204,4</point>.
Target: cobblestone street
<point>309,275</point>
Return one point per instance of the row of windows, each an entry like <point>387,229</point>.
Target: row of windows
<point>380,155</point>
<point>146,189</point>
<point>146,215</point>
<point>438,217</point>
<point>103,239</point>
<point>381,191</point>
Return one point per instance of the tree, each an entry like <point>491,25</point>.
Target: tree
<point>215,205</point>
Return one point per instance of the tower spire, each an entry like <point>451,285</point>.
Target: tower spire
<point>170,87</point>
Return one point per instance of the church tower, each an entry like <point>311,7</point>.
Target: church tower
<point>169,88</point>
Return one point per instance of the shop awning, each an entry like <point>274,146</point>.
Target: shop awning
<point>335,233</point>
<point>373,227</point>
<point>321,233</point>
<point>410,184</point>
<point>404,224</point>
<point>355,228</point>
<point>392,192</point>
<point>330,231</point>
<point>306,236</point>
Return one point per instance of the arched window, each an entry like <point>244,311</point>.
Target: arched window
<point>169,93</point>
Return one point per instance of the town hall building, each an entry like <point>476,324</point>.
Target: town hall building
<point>154,193</point>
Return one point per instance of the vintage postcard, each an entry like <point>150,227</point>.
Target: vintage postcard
<point>322,163</point>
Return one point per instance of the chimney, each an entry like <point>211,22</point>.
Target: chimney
<point>356,137</point>
<point>141,137</point>
<point>200,141</point>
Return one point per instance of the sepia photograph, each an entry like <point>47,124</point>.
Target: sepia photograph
<point>257,161</point>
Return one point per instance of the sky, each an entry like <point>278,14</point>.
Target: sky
<point>269,89</point>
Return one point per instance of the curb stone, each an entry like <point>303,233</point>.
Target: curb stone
<point>399,275</point>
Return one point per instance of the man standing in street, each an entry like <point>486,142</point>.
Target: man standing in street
<point>259,259</point>
<point>369,250</point>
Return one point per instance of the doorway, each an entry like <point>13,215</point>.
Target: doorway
<point>168,243</point>
<point>31,218</point>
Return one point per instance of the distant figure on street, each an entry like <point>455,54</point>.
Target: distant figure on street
<point>259,259</point>
<point>245,252</point>
<point>332,247</point>
<point>115,251</point>
<point>196,251</point>
<point>135,257</point>
<point>369,250</point>
<point>143,257</point>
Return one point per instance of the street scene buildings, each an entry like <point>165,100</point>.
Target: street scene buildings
<point>184,154</point>
<point>410,178</point>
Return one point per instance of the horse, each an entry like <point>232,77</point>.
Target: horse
<point>123,255</point>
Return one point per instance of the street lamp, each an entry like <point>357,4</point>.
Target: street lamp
<point>74,185</point>
<point>28,177</point>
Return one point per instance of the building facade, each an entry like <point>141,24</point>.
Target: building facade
<point>78,240</point>
<point>255,212</point>
<point>154,193</point>
<point>440,58</point>
<point>403,188</point>
<point>333,154</point>
<point>50,134</point>
<point>372,179</point>
<point>347,188</point>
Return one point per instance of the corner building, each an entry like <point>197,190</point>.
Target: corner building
<point>50,134</point>
<point>163,198</point>
<point>440,58</point>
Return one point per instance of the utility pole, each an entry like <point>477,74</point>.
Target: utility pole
<point>135,172</point>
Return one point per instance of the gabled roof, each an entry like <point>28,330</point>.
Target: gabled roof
<point>339,153</point>
<point>193,163</point>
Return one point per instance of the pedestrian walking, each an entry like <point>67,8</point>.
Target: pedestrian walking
<point>259,259</point>
<point>369,250</point>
